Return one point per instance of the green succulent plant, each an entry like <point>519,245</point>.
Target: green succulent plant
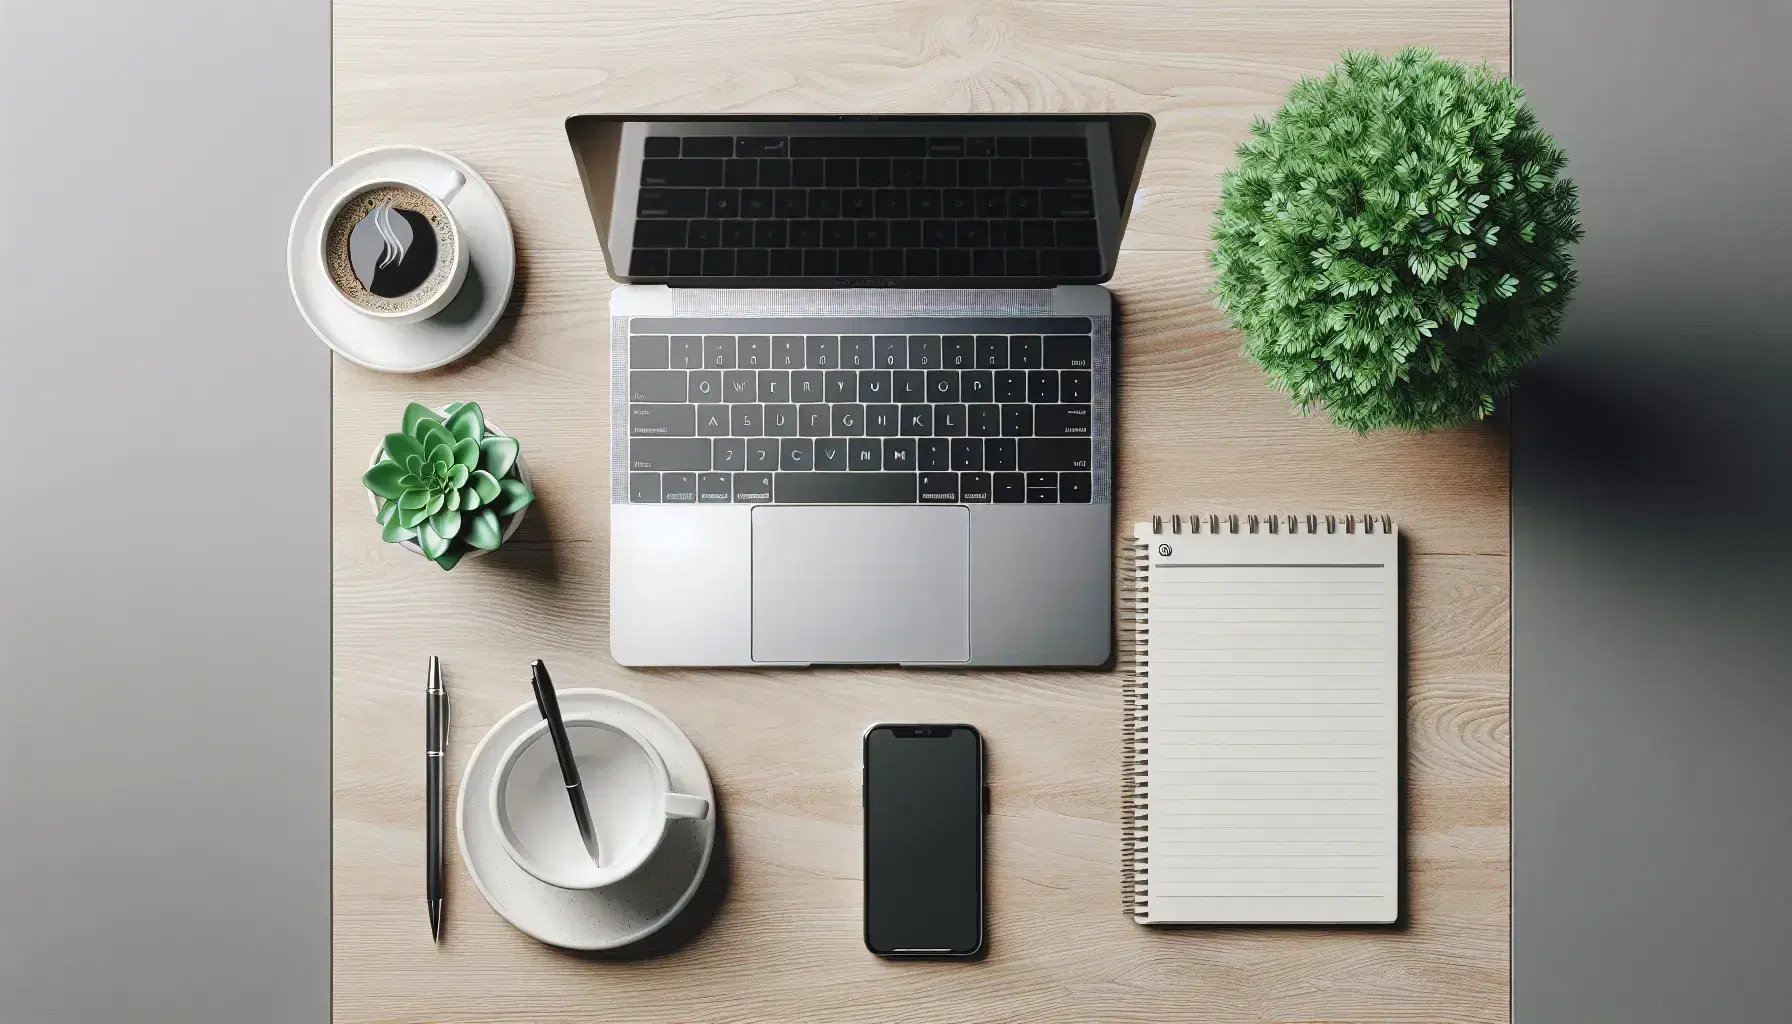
<point>447,483</point>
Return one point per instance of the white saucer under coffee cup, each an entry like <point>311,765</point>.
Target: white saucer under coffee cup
<point>443,188</point>
<point>627,790</point>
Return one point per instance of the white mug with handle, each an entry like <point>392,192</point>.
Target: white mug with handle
<point>442,188</point>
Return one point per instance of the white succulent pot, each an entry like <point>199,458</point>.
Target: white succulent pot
<point>509,526</point>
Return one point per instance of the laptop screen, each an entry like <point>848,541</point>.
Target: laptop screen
<point>906,201</point>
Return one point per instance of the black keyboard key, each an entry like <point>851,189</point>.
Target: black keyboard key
<point>722,203</point>
<point>708,145</point>
<point>1075,233</point>
<point>739,385</point>
<point>731,453</point>
<point>705,386</point>
<point>662,420</point>
<point>890,351</point>
<point>808,173</point>
<point>958,203</point>
<point>1046,480</point>
<point>1079,262</point>
<point>660,145</point>
<point>987,263</point>
<point>973,173</point>
<point>774,173</point>
<point>780,420</point>
<point>1042,496</point>
<point>980,147</point>
<point>938,234</point>
<point>1010,489</point>
<point>787,352</point>
<point>648,351</point>
<point>1007,172</point>
<point>1067,203</point>
<point>741,173</point>
<point>1067,352</point>
<point>830,453</point>
<point>836,234</point>
<point>864,454</point>
<point>685,263</point>
<point>940,173</point>
<point>924,203</point>
<point>805,386</point>
<point>924,352</point>
<point>942,385</point>
<point>857,204</point>
<point>998,453</point>
<point>644,488</point>
<point>1004,234</point>
<point>1068,453</point>
<point>935,453</point>
<point>1076,385</point>
<point>841,385</point>
<point>761,146</point>
<point>1013,145</point>
<point>907,173</point>
<point>874,386</point>
<point>986,420</point>
<point>656,386</point>
<point>972,234</point>
<point>824,352</point>
<point>973,487</point>
<point>762,453</point>
<point>1057,173</point>
<point>849,419</point>
<point>814,420</point>
<point>955,263</point>
<point>704,234</point>
<point>681,203</point>
<point>713,488</point>
<point>758,203</point>
<point>975,386</point>
<point>679,488</point>
<point>796,454</point>
<point>1042,386</point>
<point>791,203</point>
<point>1023,263</point>
<point>892,204</point>
<point>681,173</point>
<point>1023,203</point>
<point>659,234</point>
<point>939,487</point>
<point>909,386</point>
<point>949,420</point>
<point>871,234</point>
<point>1038,234</point>
<point>737,234</point>
<point>712,421</point>
<point>1011,386</point>
<point>842,173</point>
<point>874,172</point>
<point>922,262</point>
<point>855,353</point>
<point>824,203</point>
<point>1061,420</point>
<point>649,263</point>
<point>967,453</point>
<point>917,420</point>
<point>959,351</point>
<point>752,487</point>
<point>820,262</point>
<point>1024,353</point>
<point>687,352</point>
<point>855,262</point>
<point>992,351</point>
<point>899,453</point>
<point>752,263</point>
<point>1060,145</point>
<point>992,202</point>
<point>887,263</point>
<point>679,454</point>
<point>1017,420</point>
<point>746,420</point>
<point>787,263</point>
<point>945,147</point>
<point>881,421</point>
<point>846,488</point>
<point>1074,488</point>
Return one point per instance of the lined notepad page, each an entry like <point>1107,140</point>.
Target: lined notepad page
<point>1272,750</point>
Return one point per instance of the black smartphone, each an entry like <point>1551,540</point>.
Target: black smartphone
<point>924,811</point>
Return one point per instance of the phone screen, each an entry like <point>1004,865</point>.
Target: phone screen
<point>923,840</point>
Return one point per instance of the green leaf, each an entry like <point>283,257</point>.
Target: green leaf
<point>451,501</point>
<point>395,532</point>
<point>383,479</point>
<point>411,481</point>
<point>410,518</point>
<point>388,509</point>
<point>441,455</point>
<point>415,498</point>
<point>446,523</point>
<point>415,416</point>
<point>400,447</point>
<point>499,454</point>
<point>457,477</point>
<point>414,465</point>
<point>450,558</point>
<point>487,486</point>
<point>452,406</point>
<point>434,434</point>
<point>483,532</point>
<point>466,453</point>
<point>469,499</point>
<point>436,501</point>
<point>516,496</point>
<point>434,544</point>
<point>467,423</point>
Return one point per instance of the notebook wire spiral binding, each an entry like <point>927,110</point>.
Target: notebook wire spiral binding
<point>1135,672</point>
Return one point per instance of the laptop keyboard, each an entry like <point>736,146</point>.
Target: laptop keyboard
<point>865,207</point>
<point>820,416</point>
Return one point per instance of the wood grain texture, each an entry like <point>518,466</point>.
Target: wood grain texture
<point>1198,430</point>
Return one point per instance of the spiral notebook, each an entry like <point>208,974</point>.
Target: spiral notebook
<point>1262,721</point>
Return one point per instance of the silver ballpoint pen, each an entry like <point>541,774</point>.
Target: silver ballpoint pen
<point>435,745</point>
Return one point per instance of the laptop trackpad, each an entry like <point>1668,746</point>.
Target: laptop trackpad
<point>886,583</point>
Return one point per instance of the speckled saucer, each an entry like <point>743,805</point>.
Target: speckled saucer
<point>616,915</point>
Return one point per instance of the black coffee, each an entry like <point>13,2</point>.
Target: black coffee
<point>390,249</point>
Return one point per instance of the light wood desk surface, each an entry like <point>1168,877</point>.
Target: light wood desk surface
<point>492,82</point>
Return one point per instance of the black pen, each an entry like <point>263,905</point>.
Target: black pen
<point>435,743</point>
<point>569,766</point>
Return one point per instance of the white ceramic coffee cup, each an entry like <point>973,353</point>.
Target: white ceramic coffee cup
<point>443,191</point>
<point>627,790</point>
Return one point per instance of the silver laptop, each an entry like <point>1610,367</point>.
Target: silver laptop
<point>861,377</point>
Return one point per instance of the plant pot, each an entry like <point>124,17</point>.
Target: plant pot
<point>510,523</point>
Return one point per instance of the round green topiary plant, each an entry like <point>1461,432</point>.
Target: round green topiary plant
<point>1394,242</point>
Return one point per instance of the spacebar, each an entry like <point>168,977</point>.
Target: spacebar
<point>845,488</point>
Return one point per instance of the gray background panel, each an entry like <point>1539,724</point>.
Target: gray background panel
<point>164,573</point>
